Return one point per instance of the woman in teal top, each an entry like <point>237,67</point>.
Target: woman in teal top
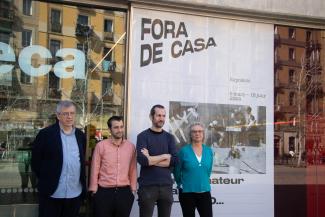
<point>192,174</point>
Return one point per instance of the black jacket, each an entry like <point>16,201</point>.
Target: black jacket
<point>47,159</point>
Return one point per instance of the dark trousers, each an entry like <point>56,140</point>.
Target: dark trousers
<point>57,207</point>
<point>201,201</point>
<point>113,202</point>
<point>25,177</point>
<point>150,195</point>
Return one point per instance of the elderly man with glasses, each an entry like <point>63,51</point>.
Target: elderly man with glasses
<point>59,164</point>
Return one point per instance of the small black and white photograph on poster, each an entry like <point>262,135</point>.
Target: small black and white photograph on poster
<point>236,134</point>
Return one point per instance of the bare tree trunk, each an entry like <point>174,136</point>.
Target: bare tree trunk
<point>301,94</point>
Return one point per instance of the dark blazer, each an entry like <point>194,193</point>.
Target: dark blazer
<point>47,159</point>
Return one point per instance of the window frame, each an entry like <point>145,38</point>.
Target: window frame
<point>57,22</point>
<point>291,54</point>
<point>112,25</point>
<point>27,7</point>
<point>292,33</point>
<point>82,15</point>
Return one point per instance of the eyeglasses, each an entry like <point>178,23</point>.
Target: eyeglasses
<point>66,114</point>
<point>196,131</point>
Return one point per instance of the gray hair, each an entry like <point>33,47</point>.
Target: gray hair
<point>197,124</point>
<point>64,104</point>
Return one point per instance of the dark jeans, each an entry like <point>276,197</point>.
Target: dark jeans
<point>113,202</point>
<point>57,207</point>
<point>201,201</point>
<point>149,195</point>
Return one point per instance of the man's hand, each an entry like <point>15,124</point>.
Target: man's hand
<point>145,152</point>
<point>165,162</point>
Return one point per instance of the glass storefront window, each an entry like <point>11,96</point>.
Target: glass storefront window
<point>299,136</point>
<point>29,93</point>
<point>91,42</point>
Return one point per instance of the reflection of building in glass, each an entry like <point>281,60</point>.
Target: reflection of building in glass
<point>57,26</point>
<point>27,103</point>
<point>299,86</point>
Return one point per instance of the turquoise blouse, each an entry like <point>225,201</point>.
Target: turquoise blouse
<point>189,174</point>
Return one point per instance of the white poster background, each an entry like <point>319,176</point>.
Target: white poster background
<point>241,64</point>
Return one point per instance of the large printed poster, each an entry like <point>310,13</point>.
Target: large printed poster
<point>218,72</point>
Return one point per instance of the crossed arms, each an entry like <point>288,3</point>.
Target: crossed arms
<point>162,160</point>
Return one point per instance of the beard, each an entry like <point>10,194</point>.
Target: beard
<point>117,135</point>
<point>159,124</point>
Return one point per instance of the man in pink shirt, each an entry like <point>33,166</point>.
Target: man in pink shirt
<point>113,175</point>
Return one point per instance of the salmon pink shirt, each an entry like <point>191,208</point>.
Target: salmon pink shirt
<point>113,165</point>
